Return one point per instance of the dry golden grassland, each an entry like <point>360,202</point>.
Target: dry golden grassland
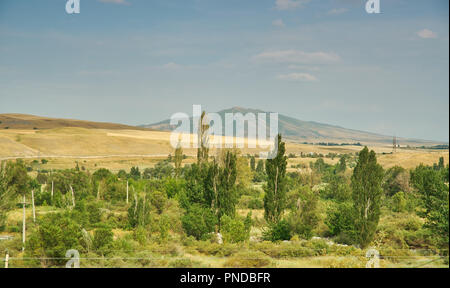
<point>117,149</point>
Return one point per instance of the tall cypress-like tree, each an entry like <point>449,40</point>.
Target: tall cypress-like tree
<point>253,163</point>
<point>226,197</point>
<point>203,139</point>
<point>178,158</point>
<point>275,197</point>
<point>366,185</point>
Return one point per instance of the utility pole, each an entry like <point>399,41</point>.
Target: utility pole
<point>32,203</point>
<point>73,197</point>
<point>23,224</point>
<point>6,258</point>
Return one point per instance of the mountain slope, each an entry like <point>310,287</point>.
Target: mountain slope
<point>313,132</point>
<point>31,122</point>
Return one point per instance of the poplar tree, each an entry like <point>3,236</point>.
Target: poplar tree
<point>366,185</point>
<point>275,197</point>
<point>203,140</point>
<point>178,158</point>
<point>226,192</point>
<point>253,163</point>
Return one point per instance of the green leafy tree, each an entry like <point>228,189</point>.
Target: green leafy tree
<point>275,197</point>
<point>139,212</point>
<point>55,234</point>
<point>435,198</point>
<point>260,166</point>
<point>396,179</point>
<point>158,200</point>
<point>279,231</point>
<point>341,166</point>
<point>198,221</point>
<point>253,163</point>
<point>235,230</point>
<point>226,197</point>
<point>306,217</point>
<point>203,139</point>
<point>366,185</point>
<point>178,159</point>
<point>341,222</point>
<point>103,239</point>
<point>399,202</point>
<point>135,173</point>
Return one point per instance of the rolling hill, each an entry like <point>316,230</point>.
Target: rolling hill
<point>313,132</point>
<point>31,122</point>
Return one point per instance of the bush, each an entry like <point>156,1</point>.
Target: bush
<point>248,259</point>
<point>235,230</point>
<point>140,235</point>
<point>103,239</point>
<point>399,202</point>
<point>198,221</point>
<point>56,234</point>
<point>182,263</point>
<point>340,222</point>
<point>278,232</point>
<point>158,200</point>
<point>250,202</point>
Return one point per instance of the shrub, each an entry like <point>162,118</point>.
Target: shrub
<point>340,222</point>
<point>182,263</point>
<point>278,232</point>
<point>56,234</point>
<point>198,221</point>
<point>103,239</point>
<point>140,235</point>
<point>399,202</point>
<point>235,230</point>
<point>248,259</point>
<point>158,200</point>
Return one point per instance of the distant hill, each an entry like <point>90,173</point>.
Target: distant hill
<point>31,122</point>
<point>313,132</point>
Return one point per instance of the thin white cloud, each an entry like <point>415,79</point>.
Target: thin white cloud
<point>278,23</point>
<point>121,2</point>
<point>303,67</point>
<point>299,77</point>
<point>289,4</point>
<point>297,57</point>
<point>172,66</point>
<point>426,34</point>
<point>337,11</point>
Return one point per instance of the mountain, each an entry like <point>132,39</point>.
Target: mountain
<point>31,122</point>
<point>312,132</point>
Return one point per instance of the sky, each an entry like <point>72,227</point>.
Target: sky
<point>139,61</point>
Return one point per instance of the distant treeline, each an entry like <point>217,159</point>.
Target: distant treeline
<point>436,147</point>
<point>333,144</point>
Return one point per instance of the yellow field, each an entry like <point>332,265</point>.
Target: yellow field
<point>120,149</point>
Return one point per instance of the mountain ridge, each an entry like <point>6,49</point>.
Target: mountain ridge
<point>312,132</point>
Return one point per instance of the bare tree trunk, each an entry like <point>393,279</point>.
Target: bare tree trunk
<point>6,259</point>
<point>73,197</point>
<point>32,203</point>
<point>23,224</point>
<point>52,191</point>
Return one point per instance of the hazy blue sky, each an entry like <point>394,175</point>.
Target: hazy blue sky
<point>139,61</point>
